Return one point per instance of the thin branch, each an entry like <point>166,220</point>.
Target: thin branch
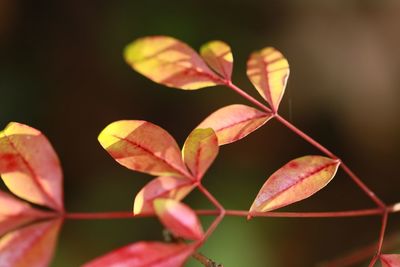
<point>381,238</point>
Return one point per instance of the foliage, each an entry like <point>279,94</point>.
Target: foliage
<point>31,170</point>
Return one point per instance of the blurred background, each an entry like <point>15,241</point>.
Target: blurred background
<point>62,71</point>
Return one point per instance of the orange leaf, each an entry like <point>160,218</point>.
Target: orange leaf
<point>145,254</point>
<point>178,218</point>
<point>170,62</point>
<point>390,260</point>
<point>14,213</point>
<point>143,146</point>
<point>30,167</point>
<point>31,246</point>
<point>297,180</point>
<point>218,56</point>
<point>268,70</point>
<point>232,123</point>
<point>200,150</point>
<point>163,186</point>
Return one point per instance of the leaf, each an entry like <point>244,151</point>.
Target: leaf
<point>145,254</point>
<point>143,146</point>
<point>30,167</point>
<point>163,186</point>
<point>233,122</point>
<point>200,150</point>
<point>297,180</point>
<point>218,56</point>
<point>390,260</point>
<point>178,218</point>
<point>170,62</point>
<point>14,213</point>
<point>31,246</point>
<point>268,70</point>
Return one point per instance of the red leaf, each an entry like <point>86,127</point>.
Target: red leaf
<point>31,246</point>
<point>168,61</point>
<point>390,260</point>
<point>30,167</point>
<point>14,213</point>
<point>297,180</point>
<point>200,150</point>
<point>268,70</point>
<point>164,186</point>
<point>143,146</point>
<point>219,57</point>
<point>178,218</point>
<point>232,123</point>
<point>145,254</point>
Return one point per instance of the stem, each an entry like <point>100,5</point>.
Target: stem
<point>218,219</point>
<point>381,237</point>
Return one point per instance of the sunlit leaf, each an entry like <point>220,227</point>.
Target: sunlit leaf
<point>390,260</point>
<point>268,70</point>
<point>170,62</point>
<point>30,167</point>
<point>143,146</point>
<point>31,246</point>
<point>232,123</point>
<point>178,218</point>
<point>297,180</point>
<point>145,254</point>
<point>219,57</point>
<point>200,150</point>
<point>161,187</point>
<point>14,213</point>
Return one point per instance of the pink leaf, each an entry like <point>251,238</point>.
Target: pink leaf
<point>30,167</point>
<point>14,213</point>
<point>163,186</point>
<point>143,146</point>
<point>178,218</point>
<point>200,150</point>
<point>31,246</point>
<point>390,260</point>
<point>145,254</point>
<point>297,180</point>
<point>170,62</point>
<point>232,123</point>
<point>268,70</point>
<point>219,57</point>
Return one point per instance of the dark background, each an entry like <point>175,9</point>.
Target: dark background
<point>62,71</point>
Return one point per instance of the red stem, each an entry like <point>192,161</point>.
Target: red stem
<point>381,238</point>
<point>238,213</point>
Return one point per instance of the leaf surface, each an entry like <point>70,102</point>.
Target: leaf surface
<point>143,146</point>
<point>295,181</point>
<point>30,167</point>
<point>145,254</point>
<point>268,70</point>
<point>161,187</point>
<point>390,260</point>
<point>218,56</point>
<point>200,150</point>
<point>31,246</point>
<point>233,122</point>
<point>14,213</point>
<point>170,62</point>
<point>178,218</point>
